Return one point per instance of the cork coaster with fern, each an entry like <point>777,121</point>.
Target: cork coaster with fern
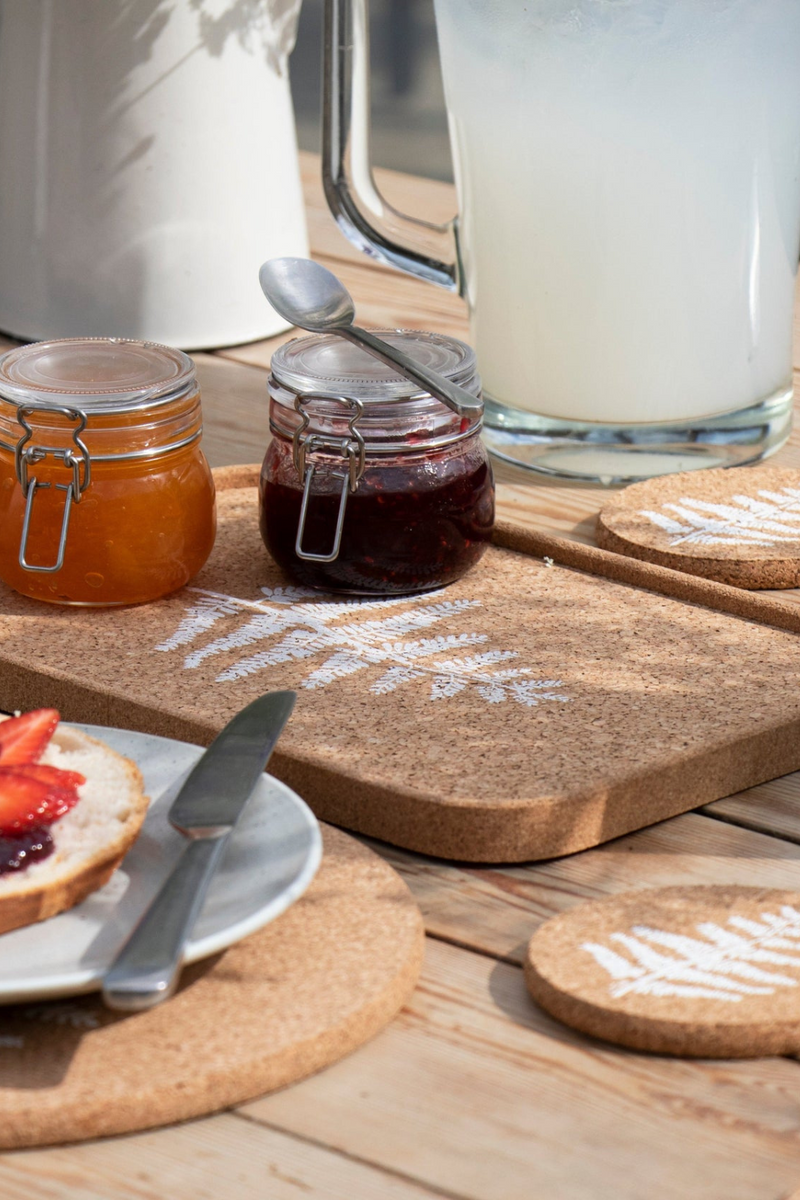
<point>692,971</point>
<point>740,527</point>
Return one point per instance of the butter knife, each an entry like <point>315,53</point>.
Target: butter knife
<point>206,809</point>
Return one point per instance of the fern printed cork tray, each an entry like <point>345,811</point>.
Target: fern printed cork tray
<point>529,710</point>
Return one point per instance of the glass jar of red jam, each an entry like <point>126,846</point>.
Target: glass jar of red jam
<point>369,485</point>
<point>105,495</point>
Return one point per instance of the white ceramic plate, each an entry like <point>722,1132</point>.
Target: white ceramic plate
<point>272,857</point>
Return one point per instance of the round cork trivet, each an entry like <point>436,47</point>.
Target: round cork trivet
<point>740,527</point>
<point>694,971</point>
<point>321,980</point>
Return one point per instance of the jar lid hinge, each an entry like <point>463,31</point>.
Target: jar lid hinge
<point>26,456</point>
<point>352,448</point>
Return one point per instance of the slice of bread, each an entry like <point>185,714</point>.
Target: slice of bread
<point>90,840</point>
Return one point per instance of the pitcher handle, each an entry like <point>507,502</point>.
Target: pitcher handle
<point>418,247</point>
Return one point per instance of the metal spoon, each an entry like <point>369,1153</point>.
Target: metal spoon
<point>309,295</point>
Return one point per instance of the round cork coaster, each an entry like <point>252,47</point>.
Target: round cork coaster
<point>322,979</point>
<point>740,527</point>
<point>694,971</point>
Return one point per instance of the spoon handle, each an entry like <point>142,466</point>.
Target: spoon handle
<point>457,398</point>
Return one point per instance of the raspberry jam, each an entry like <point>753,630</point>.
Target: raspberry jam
<point>19,851</point>
<point>406,528</point>
<point>399,495</point>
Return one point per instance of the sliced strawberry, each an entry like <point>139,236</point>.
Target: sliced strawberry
<point>23,800</point>
<point>33,794</point>
<point>23,739</point>
<point>63,788</point>
<point>57,776</point>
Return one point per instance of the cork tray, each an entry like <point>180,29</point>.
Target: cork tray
<point>530,710</point>
<point>319,982</point>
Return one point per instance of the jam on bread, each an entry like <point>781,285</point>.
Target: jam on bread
<point>33,795</point>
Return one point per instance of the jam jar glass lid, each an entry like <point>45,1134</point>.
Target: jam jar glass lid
<point>95,374</point>
<point>326,362</point>
<point>394,408</point>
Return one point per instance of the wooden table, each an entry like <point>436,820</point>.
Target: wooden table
<point>473,1092</point>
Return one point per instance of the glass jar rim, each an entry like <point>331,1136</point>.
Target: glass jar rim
<point>324,363</point>
<point>95,375</point>
<point>317,383</point>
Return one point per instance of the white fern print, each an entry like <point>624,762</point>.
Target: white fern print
<point>299,624</point>
<point>773,518</point>
<point>62,1014</point>
<point>721,966</point>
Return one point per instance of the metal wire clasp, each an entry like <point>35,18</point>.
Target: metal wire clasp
<point>77,460</point>
<point>350,447</point>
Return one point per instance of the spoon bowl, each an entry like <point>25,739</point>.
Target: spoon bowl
<point>309,295</point>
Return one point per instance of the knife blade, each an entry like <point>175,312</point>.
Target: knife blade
<point>206,809</point>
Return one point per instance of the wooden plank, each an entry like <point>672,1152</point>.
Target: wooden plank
<point>226,1157</point>
<point>496,910</point>
<point>771,807</point>
<point>465,1053</point>
<point>473,1089</point>
<point>235,411</point>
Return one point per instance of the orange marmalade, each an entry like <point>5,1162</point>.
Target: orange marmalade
<point>105,495</point>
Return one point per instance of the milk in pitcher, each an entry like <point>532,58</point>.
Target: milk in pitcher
<point>629,191</point>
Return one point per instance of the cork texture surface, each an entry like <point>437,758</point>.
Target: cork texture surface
<point>766,607</point>
<point>737,527</point>
<point>527,711</point>
<point>695,971</point>
<point>320,981</point>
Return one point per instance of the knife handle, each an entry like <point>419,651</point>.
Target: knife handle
<point>146,969</point>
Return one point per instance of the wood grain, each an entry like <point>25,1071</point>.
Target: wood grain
<point>495,910</point>
<point>223,1158</point>
<point>474,1090</point>
<point>235,410</point>
<point>770,807</point>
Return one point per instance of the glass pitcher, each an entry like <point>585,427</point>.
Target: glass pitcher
<point>628,180</point>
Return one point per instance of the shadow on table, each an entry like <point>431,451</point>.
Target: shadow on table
<point>508,991</point>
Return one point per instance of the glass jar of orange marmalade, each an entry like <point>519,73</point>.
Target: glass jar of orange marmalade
<point>105,495</point>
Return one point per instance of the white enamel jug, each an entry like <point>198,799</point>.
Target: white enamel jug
<point>628,178</point>
<point>148,165</point>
